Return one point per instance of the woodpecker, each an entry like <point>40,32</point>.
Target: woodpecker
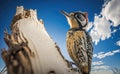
<point>78,41</point>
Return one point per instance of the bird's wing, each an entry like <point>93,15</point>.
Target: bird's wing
<point>79,45</point>
<point>89,50</point>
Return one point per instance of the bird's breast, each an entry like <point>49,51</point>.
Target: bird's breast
<point>74,41</point>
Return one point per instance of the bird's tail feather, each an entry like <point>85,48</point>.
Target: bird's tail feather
<point>84,68</point>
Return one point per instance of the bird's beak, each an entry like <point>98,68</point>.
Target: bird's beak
<point>65,14</point>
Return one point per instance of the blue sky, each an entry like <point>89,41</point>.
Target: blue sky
<point>103,25</point>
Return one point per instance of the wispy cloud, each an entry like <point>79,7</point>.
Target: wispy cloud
<point>101,72</point>
<point>118,43</point>
<point>115,30</point>
<point>109,16</point>
<point>97,63</point>
<point>101,55</point>
<point>102,67</point>
<point>98,67</point>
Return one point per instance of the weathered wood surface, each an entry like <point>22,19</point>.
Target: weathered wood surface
<point>30,48</point>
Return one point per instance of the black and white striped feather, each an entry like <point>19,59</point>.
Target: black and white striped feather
<point>79,45</point>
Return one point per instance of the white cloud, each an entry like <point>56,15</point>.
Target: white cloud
<point>102,72</point>
<point>94,55</point>
<point>102,24</point>
<point>115,30</point>
<point>112,11</point>
<point>118,43</point>
<point>116,51</point>
<point>102,67</point>
<point>101,55</point>
<point>99,68</point>
<point>101,30</point>
<point>89,26</point>
<point>95,36</point>
<point>97,63</point>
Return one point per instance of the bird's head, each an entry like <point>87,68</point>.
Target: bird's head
<point>76,19</point>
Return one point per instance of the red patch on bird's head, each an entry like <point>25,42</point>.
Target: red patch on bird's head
<point>86,16</point>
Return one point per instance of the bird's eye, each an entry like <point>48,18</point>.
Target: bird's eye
<point>80,17</point>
